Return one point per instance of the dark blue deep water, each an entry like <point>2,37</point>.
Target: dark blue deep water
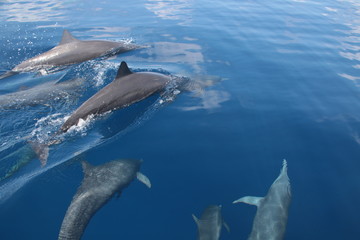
<point>283,78</point>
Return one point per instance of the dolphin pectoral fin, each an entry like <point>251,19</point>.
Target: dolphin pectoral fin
<point>195,219</point>
<point>144,179</point>
<point>8,74</point>
<point>123,70</point>
<point>67,37</point>
<point>41,150</point>
<point>250,200</point>
<point>226,226</point>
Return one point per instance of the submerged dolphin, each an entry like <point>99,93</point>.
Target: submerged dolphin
<point>100,183</point>
<point>210,223</point>
<point>70,51</point>
<point>126,89</point>
<point>272,213</point>
<point>41,94</point>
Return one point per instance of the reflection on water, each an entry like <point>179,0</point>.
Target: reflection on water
<point>344,21</point>
<point>210,100</point>
<point>348,16</point>
<point>350,56</point>
<point>355,3</point>
<point>172,9</point>
<point>106,32</point>
<point>171,52</point>
<point>33,11</point>
<point>347,76</point>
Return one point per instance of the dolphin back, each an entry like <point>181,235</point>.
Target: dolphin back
<point>78,216</point>
<point>70,51</point>
<point>42,94</point>
<point>210,223</point>
<point>127,88</point>
<point>272,213</point>
<point>8,74</point>
<point>100,183</point>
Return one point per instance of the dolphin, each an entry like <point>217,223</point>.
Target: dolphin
<point>272,213</point>
<point>41,94</point>
<point>127,88</point>
<point>70,51</point>
<point>100,183</point>
<point>210,223</point>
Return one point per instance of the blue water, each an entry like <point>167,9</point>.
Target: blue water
<point>285,78</point>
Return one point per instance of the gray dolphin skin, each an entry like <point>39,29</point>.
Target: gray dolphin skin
<point>272,213</point>
<point>70,51</point>
<point>127,88</point>
<point>100,183</point>
<point>41,94</point>
<point>210,223</point>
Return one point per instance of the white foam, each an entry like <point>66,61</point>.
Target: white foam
<point>45,127</point>
<point>82,125</point>
<point>101,70</point>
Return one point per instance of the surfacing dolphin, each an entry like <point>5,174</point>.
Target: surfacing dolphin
<point>70,51</point>
<point>272,213</point>
<point>100,183</point>
<point>41,94</point>
<point>210,223</point>
<point>127,88</point>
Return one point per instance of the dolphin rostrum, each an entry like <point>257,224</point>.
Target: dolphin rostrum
<point>100,183</point>
<point>210,223</point>
<point>127,88</point>
<point>70,51</point>
<point>272,213</point>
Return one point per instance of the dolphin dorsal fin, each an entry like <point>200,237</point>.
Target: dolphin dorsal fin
<point>86,167</point>
<point>67,37</point>
<point>123,70</point>
<point>250,200</point>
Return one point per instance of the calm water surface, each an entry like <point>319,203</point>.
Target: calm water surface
<point>285,85</point>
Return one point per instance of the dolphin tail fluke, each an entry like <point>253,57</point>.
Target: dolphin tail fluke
<point>23,156</point>
<point>41,150</point>
<point>8,74</point>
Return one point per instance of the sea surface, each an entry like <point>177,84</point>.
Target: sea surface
<point>279,80</point>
